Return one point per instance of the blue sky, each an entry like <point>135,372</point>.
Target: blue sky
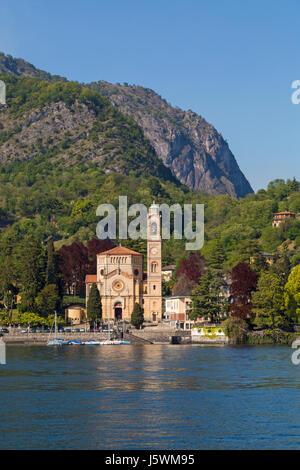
<point>231,61</point>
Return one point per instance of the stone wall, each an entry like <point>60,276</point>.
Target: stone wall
<point>205,340</point>
<point>42,338</point>
<point>162,335</point>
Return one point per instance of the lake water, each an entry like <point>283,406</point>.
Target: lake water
<point>149,397</point>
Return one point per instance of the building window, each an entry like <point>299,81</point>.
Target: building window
<point>154,228</point>
<point>154,287</point>
<point>154,267</point>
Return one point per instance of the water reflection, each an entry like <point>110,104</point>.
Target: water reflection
<point>149,397</point>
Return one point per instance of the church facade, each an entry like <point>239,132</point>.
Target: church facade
<point>122,281</point>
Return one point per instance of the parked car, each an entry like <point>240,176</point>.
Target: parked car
<point>82,330</point>
<point>76,330</point>
<point>25,330</point>
<point>67,330</point>
<point>4,330</point>
<point>38,330</point>
<point>61,330</point>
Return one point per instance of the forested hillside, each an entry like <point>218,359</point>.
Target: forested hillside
<point>64,150</point>
<point>195,152</point>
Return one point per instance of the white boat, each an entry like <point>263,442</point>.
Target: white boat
<point>110,342</point>
<point>55,341</point>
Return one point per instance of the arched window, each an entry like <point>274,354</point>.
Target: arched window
<point>153,228</point>
<point>154,267</point>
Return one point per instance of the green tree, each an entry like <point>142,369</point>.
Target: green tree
<point>216,255</point>
<point>259,263</point>
<point>51,270</point>
<point>8,287</point>
<point>30,319</point>
<point>53,276</point>
<point>137,316</point>
<point>5,319</point>
<point>167,287</point>
<point>236,329</point>
<point>94,305</point>
<point>292,295</point>
<point>31,268</point>
<point>268,302</point>
<point>293,184</point>
<point>282,268</point>
<point>47,300</point>
<point>207,297</point>
<point>49,321</point>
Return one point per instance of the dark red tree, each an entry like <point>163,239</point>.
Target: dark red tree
<point>192,267</point>
<point>94,247</point>
<point>243,283</point>
<point>77,260</point>
<point>73,264</point>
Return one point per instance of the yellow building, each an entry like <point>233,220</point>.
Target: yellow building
<point>75,314</point>
<point>122,282</point>
<point>280,217</point>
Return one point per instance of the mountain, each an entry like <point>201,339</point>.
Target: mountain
<point>12,66</point>
<point>191,148</point>
<point>68,124</point>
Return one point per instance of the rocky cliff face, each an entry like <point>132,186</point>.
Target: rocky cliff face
<point>192,148</point>
<point>67,124</point>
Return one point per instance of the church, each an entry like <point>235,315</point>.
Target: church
<point>122,281</point>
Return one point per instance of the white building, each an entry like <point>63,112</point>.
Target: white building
<point>177,310</point>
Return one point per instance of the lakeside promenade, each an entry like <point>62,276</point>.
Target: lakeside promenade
<point>158,336</point>
<point>148,335</point>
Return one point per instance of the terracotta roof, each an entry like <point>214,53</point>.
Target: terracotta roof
<point>120,250</point>
<point>91,278</point>
<point>284,212</point>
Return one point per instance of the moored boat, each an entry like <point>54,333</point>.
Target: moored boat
<point>55,341</point>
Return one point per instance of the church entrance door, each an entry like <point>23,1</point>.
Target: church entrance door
<point>118,311</point>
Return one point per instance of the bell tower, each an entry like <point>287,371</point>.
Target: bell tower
<point>153,310</point>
